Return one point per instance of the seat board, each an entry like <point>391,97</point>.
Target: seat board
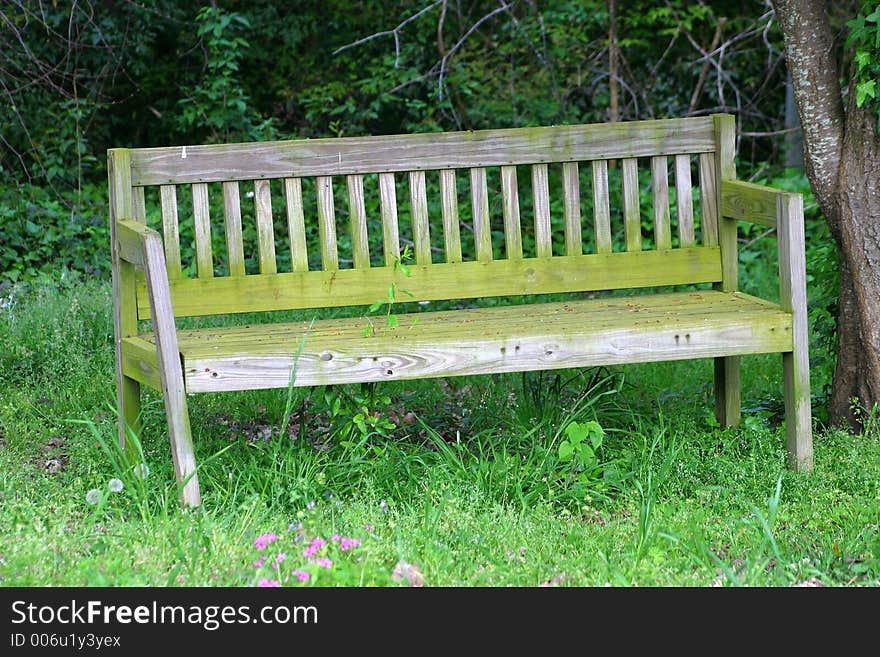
<point>483,340</point>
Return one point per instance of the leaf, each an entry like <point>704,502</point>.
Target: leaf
<point>865,90</point>
<point>376,305</point>
<point>392,321</point>
<point>566,451</point>
<point>576,432</point>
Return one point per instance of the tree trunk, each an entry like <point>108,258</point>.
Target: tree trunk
<point>858,370</point>
<point>842,160</point>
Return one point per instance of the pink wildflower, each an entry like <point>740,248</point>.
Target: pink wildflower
<point>281,557</point>
<point>347,543</point>
<point>324,562</point>
<point>260,542</point>
<point>335,538</point>
<point>268,583</point>
<point>369,528</point>
<point>301,575</point>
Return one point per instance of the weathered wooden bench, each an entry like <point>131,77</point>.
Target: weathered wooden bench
<point>150,282</point>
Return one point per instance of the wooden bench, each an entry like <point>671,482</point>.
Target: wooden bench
<point>539,253</point>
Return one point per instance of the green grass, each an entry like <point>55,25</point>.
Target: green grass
<point>475,492</point>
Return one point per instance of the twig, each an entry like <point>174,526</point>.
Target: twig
<point>771,133</point>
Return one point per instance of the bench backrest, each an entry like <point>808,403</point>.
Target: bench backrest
<point>331,215</point>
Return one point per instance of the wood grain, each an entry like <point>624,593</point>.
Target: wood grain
<point>170,229</point>
<point>510,211</point>
<point>601,207</point>
<point>541,196</point>
<point>684,200</point>
<point>660,194</point>
<point>232,225</point>
<point>296,225</point>
<point>265,228</point>
<point>398,153</point>
<point>631,214</point>
<point>571,202</point>
<point>462,280</point>
<point>480,209</point>
<point>390,230</point>
<point>419,210</point>
<point>202,219</point>
<point>449,205</point>
<point>360,245</point>
<point>327,223</point>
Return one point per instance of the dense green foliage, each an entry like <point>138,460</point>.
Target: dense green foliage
<point>864,34</point>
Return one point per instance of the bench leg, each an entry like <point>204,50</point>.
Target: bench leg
<point>180,437</point>
<point>128,400</point>
<point>727,391</point>
<point>798,414</point>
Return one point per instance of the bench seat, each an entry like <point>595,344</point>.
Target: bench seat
<point>581,333</point>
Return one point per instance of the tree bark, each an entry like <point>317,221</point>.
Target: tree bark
<point>842,161</point>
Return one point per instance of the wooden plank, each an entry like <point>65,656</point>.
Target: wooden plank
<point>449,205</point>
<point>397,153</point>
<point>360,245</point>
<point>202,219</point>
<point>795,364</point>
<point>171,371</point>
<point>296,225</point>
<point>684,200</point>
<point>125,316</point>
<point>632,216</point>
<point>571,199</point>
<point>489,340</point>
<point>388,203</point>
<point>749,202</point>
<point>140,361</point>
<point>480,208</point>
<point>128,241</point>
<point>601,207</point>
<point>170,229</point>
<point>462,280</point>
<point>327,223</point>
<point>419,208</point>
<point>708,200</point>
<point>265,229</point>
<point>139,205</point>
<point>510,204</point>
<point>541,195</point>
<point>232,217</point>
<point>660,189</point>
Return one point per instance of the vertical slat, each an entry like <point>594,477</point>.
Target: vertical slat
<point>660,187</point>
<point>296,225</point>
<point>510,198</point>
<point>684,200</point>
<point>793,298</point>
<point>449,204</point>
<point>139,204</point>
<point>708,201</point>
<point>388,202</point>
<point>601,206</point>
<point>631,215</point>
<point>202,219</point>
<point>265,230</point>
<point>360,245</point>
<point>232,215</point>
<point>170,229</point>
<point>419,206</point>
<point>327,223</point>
<point>541,193</point>
<point>125,317</point>
<point>571,198</point>
<point>727,369</point>
<point>480,206</point>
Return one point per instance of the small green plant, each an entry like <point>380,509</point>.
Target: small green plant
<point>864,34</point>
<point>582,442</point>
<point>400,264</point>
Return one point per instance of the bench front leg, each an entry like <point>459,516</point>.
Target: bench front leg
<point>793,298</point>
<point>138,241</point>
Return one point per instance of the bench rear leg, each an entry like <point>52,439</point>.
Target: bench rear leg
<point>128,400</point>
<point>727,391</point>
<point>798,414</point>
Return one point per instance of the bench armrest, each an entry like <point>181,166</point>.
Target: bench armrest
<point>143,246</point>
<point>749,202</point>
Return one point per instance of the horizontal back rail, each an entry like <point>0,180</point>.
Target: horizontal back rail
<point>399,153</point>
<point>461,280</point>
